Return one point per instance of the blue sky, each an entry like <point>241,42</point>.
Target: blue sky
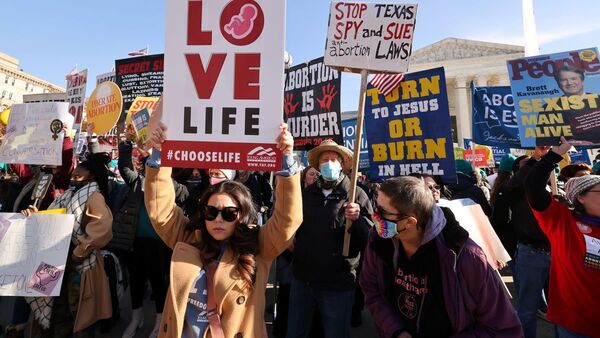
<point>50,37</point>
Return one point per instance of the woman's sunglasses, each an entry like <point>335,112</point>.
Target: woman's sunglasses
<point>229,214</point>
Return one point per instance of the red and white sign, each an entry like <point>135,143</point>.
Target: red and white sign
<point>223,84</point>
<point>372,36</point>
<point>477,157</point>
<point>76,84</point>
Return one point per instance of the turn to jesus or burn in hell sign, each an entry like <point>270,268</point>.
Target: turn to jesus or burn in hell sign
<point>375,37</point>
<point>223,85</point>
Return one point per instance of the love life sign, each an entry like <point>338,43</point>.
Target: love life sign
<point>223,83</point>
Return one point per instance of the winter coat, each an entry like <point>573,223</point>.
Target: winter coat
<point>323,265</point>
<point>474,299</point>
<point>241,310</point>
<point>466,187</point>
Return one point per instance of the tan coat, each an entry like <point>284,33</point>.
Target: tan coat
<point>241,311</point>
<point>94,294</point>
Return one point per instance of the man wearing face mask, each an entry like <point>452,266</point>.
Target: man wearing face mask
<point>323,278</point>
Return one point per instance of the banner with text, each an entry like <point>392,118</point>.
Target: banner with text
<point>139,76</point>
<point>494,118</point>
<point>312,104</point>
<point>409,130</point>
<point>349,127</point>
<point>375,37</point>
<point>223,84</point>
<point>34,133</point>
<point>34,253</point>
<point>557,95</point>
<point>76,84</point>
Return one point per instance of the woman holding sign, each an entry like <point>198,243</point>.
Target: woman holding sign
<point>574,298</point>
<point>221,260</point>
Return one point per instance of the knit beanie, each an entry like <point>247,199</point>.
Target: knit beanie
<point>576,185</point>
<point>464,166</point>
<point>506,162</point>
<point>596,168</point>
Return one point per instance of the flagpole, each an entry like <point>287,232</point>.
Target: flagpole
<point>364,74</point>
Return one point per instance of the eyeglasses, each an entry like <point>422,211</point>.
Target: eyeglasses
<point>434,187</point>
<point>217,175</point>
<point>229,214</point>
<point>384,215</point>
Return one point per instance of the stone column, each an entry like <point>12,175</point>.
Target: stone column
<point>462,109</point>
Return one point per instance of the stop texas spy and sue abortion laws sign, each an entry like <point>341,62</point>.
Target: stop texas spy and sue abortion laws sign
<point>223,81</point>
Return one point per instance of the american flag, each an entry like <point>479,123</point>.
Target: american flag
<point>385,83</point>
<point>143,51</point>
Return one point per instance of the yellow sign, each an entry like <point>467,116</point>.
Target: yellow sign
<point>4,116</point>
<point>104,107</point>
<point>60,211</point>
<point>140,103</point>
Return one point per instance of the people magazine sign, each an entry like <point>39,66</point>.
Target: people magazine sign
<point>223,83</point>
<point>409,129</point>
<point>312,104</point>
<point>557,95</point>
<point>372,36</point>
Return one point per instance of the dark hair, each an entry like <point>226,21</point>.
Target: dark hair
<point>501,179</point>
<point>568,68</point>
<point>244,241</point>
<point>410,196</point>
<point>578,208</point>
<point>516,163</point>
<point>570,170</point>
<point>303,174</point>
<point>97,165</point>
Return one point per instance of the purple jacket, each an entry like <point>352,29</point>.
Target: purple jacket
<point>475,302</point>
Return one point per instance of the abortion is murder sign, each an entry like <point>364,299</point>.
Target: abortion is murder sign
<point>223,85</point>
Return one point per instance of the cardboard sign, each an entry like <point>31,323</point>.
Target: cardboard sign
<point>371,36</point>
<point>32,137</point>
<point>139,77</point>
<point>34,252</point>
<point>471,218</point>
<point>223,84</point>
<point>140,103</point>
<point>76,85</point>
<point>557,95</point>
<point>104,107</point>
<point>312,104</point>
<point>41,187</point>
<point>409,130</point>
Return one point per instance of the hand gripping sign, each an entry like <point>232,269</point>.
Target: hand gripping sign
<point>223,85</point>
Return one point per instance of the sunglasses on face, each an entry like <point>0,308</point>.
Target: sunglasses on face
<point>229,214</point>
<point>434,187</point>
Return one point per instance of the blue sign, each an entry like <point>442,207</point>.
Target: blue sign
<point>409,130</point>
<point>349,132</point>
<point>580,156</point>
<point>494,118</point>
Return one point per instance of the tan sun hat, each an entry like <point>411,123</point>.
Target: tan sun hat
<point>330,145</point>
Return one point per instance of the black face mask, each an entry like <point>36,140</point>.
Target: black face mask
<point>194,182</point>
<point>76,185</point>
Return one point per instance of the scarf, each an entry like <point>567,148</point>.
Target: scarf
<point>74,202</point>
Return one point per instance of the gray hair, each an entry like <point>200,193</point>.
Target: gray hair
<point>410,196</point>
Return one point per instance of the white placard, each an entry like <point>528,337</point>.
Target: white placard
<point>29,139</point>
<point>372,36</point>
<point>223,83</point>
<point>29,243</point>
<point>471,218</point>
<point>76,85</point>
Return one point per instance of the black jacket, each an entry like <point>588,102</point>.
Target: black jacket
<point>526,226</point>
<point>318,259</point>
<point>466,187</point>
<point>126,207</point>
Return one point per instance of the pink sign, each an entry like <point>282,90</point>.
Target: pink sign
<point>45,279</point>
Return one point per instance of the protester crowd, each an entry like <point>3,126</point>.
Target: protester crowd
<point>202,242</point>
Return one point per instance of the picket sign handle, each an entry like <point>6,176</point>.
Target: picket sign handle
<point>553,182</point>
<point>364,74</point>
